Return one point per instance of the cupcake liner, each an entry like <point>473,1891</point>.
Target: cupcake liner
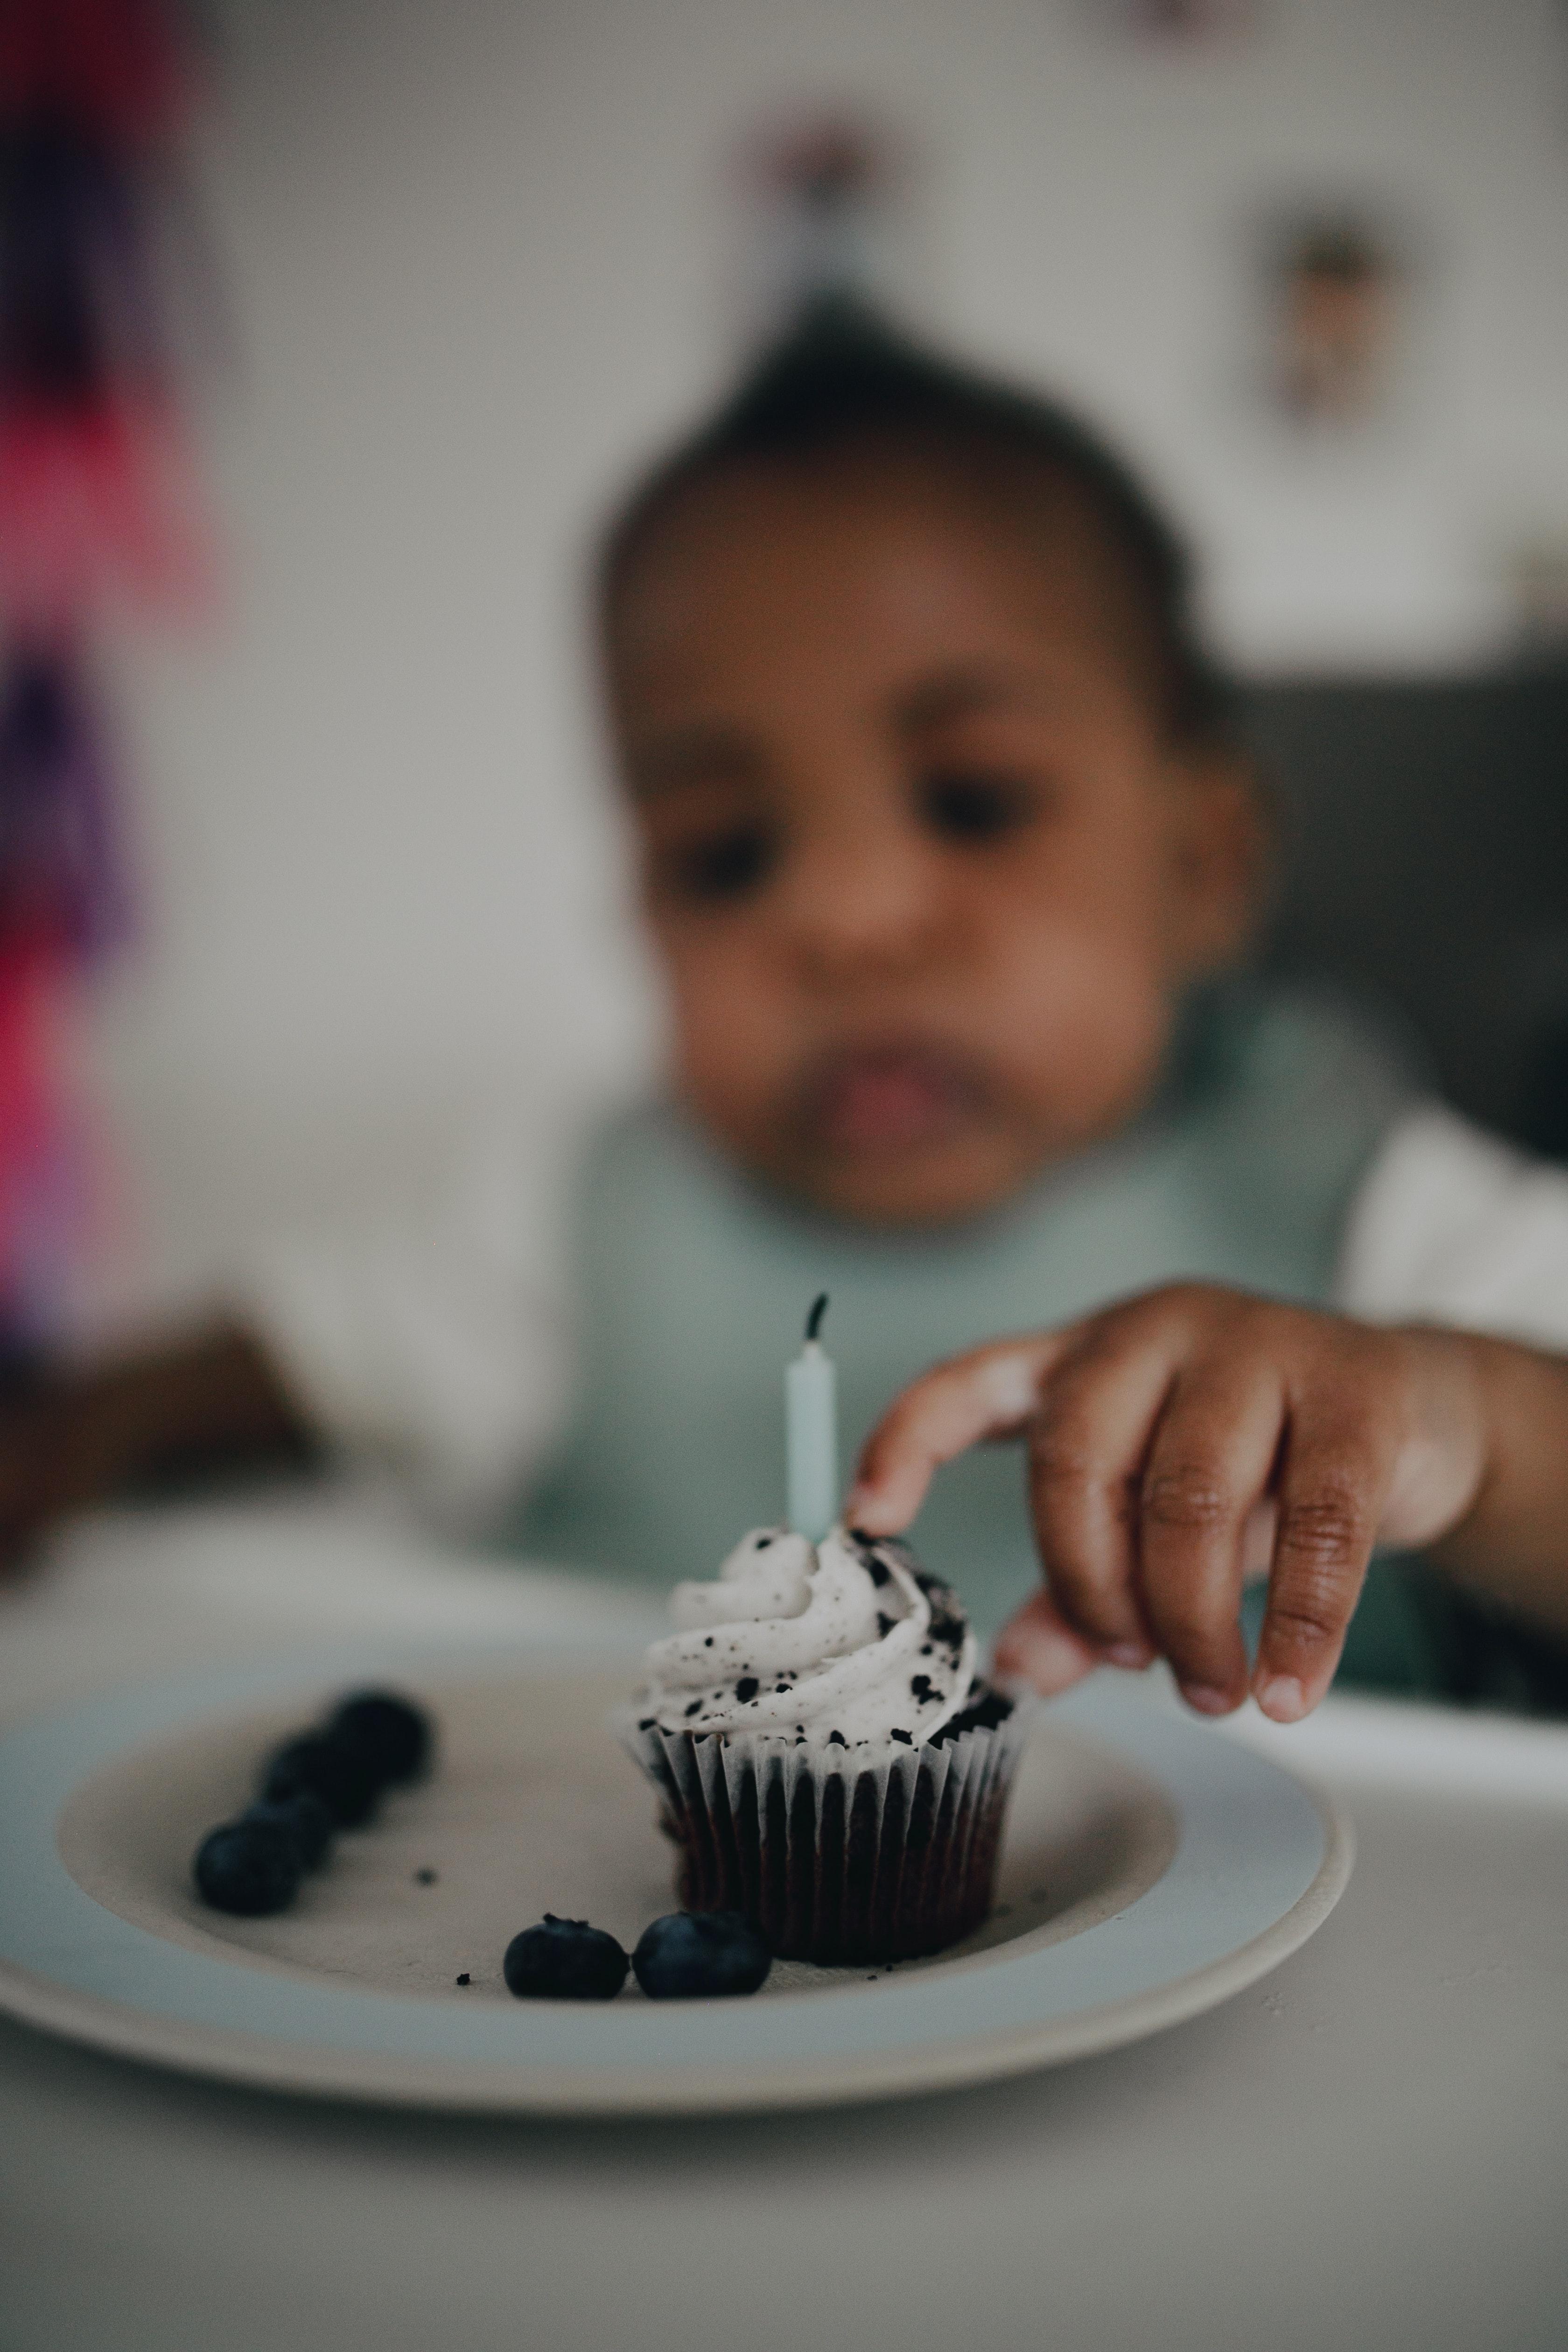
<point>835,1856</point>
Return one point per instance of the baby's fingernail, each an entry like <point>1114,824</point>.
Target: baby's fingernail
<point>1049,1661</point>
<point>1206,1699</point>
<point>1129,1653</point>
<point>1283,1697</point>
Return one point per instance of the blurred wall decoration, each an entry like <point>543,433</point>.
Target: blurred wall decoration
<point>1539,569</point>
<point>1334,297</point>
<point>1182,22</point>
<point>97,512</point>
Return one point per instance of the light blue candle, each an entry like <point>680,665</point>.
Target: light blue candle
<point>811,1423</point>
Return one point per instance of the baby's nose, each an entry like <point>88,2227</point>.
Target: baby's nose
<point>864,898</point>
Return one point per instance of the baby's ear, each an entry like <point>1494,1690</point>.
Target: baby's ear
<point>1222,856</point>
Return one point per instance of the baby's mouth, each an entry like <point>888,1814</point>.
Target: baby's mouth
<point>894,1097</point>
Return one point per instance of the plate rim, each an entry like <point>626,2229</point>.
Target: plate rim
<point>683,2087</point>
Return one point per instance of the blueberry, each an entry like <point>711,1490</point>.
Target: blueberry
<point>305,1819</point>
<point>564,1960</point>
<point>326,1769</point>
<point>248,1867</point>
<point>689,1954</point>
<point>388,1734</point>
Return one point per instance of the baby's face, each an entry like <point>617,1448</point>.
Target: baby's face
<point>924,876</point>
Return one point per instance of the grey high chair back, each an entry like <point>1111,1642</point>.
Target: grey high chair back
<point>1426,869</point>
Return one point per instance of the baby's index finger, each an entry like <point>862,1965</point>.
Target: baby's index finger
<point>991,1392</point>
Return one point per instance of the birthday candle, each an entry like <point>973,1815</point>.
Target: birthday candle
<point>811,1421</point>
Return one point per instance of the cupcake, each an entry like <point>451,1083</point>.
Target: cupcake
<point>830,1763</point>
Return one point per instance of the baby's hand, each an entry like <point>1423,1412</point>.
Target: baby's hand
<point>74,1437</point>
<point>1176,1442</point>
<point>38,1446</point>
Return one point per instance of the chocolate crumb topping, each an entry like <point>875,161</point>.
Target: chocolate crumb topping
<point>729,1685</point>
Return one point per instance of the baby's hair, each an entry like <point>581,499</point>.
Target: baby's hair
<point>843,381</point>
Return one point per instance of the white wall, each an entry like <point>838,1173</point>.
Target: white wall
<point>477,252</point>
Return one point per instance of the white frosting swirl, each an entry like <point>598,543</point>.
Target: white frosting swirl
<point>846,1642</point>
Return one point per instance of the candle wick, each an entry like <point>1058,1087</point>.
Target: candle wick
<point>814,1320</point>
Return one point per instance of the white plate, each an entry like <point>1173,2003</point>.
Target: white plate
<point>1151,1869</point>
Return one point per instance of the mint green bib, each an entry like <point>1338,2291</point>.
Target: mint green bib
<point>693,1284</point>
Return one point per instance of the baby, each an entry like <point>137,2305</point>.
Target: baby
<point>951,858</point>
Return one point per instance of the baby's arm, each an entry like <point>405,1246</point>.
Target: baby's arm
<point>75,1436</point>
<point>1179,1438</point>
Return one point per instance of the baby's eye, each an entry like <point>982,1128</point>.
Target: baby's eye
<point>720,866</point>
<point>973,805</point>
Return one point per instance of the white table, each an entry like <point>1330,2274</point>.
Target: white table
<point>1370,2149</point>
